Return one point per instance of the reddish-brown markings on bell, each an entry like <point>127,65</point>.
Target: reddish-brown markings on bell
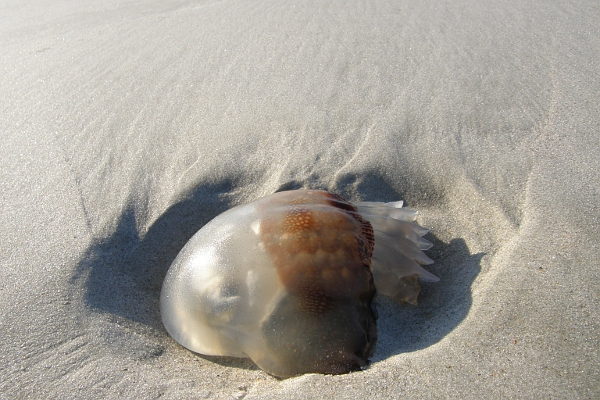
<point>322,251</point>
<point>365,247</point>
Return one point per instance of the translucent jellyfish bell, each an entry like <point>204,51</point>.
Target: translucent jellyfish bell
<point>289,281</point>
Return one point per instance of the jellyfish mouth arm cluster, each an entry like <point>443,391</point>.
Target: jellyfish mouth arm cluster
<point>398,254</point>
<point>289,281</point>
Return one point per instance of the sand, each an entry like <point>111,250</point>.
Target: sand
<point>127,125</point>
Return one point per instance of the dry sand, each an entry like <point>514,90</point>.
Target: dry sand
<point>127,125</point>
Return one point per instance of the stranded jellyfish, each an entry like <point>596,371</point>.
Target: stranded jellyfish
<point>289,281</point>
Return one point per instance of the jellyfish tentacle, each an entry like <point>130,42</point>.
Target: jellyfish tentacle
<point>398,253</point>
<point>399,245</point>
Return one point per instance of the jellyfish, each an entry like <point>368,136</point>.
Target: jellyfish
<point>289,281</point>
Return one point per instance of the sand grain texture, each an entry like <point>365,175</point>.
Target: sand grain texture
<point>126,126</point>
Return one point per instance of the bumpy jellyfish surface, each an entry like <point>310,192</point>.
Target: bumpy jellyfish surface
<point>289,281</point>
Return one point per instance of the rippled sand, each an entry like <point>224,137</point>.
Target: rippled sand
<point>127,126</point>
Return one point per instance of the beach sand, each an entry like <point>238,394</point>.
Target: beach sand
<point>127,125</point>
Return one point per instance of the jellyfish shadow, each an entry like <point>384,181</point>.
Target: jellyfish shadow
<point>123,273</point>
<point>442,305</point>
